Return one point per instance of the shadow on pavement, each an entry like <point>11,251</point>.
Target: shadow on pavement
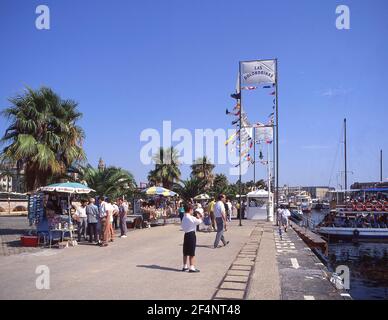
<point>154,266</point>
<point>203,246</point>
<point>9,231</point>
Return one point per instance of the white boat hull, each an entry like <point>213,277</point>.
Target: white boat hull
<point>359,233</point>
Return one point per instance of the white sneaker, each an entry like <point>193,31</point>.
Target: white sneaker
<point>124,236</point>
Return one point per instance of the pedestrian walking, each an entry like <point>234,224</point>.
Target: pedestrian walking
<point>228,206</point>
<point>220,215</point>
<point>181,211</point>
<point>81,217</point>
<point>189,223</point>
<point>211,205</point>
<point>92,219</point>
<point>123,211</point>
<point>285,215</point>
<point>279,215</point>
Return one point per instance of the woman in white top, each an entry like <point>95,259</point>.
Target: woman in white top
<point>285,213</point>
<point>189,224</point>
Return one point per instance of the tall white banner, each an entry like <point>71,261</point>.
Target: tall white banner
<point>258,72</point>
<point>264,134</point>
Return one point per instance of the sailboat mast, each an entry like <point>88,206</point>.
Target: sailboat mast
<point>346,167</point>
<point>381,165</point>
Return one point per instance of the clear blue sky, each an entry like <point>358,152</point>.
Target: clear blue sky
<point>133,64</point>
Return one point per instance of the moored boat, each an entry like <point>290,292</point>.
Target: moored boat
<point>355,225</point>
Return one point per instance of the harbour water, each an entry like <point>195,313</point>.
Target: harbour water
<point>367,262</point>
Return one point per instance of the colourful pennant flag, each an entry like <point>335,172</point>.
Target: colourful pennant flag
<point>272,93</point>
<point>230,138</point>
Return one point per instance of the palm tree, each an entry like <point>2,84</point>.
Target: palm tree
<point>220,184</point>
<point>111,181</point>
<point>166,170</point>
<point>43,137</point>
<point>189,188</point>
<point>202,168</point>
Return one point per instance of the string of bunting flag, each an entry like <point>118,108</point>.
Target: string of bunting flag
<point>263,132</point>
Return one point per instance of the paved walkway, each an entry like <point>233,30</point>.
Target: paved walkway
<point>146,265</point>
<point>256,265</point>
<point>11,228</point>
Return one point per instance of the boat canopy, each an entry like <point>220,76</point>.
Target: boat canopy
<point>375,190</point>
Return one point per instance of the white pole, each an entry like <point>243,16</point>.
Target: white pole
<point>270,203</point>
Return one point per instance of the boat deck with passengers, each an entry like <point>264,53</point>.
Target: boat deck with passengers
<point>357,220</point>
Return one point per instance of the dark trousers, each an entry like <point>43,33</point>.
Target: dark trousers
<point>123,224</point>
<point>82,225</point>
<point>93,232</point>
<point>115,222</point>
<point>220,232</point>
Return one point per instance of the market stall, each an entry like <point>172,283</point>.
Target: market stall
<point>49,209</point>
<point>259,205</point>
<point>160,205</point>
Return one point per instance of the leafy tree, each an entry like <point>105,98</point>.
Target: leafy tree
<point>166,170</point>
<point>43,137</point>
<point>220,184</point>
<point>111,181</point>
<point>189,188</point>
<point>202,168</point>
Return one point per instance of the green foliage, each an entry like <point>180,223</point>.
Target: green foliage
<point>42,137</point>
<point>189,188</point>
<point>202,168</point>
<point>112,182</point>
<point>166,170</point>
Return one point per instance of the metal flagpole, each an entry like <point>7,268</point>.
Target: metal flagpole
<point>270,199</point>
<point>240,186</point>
<point>346,166</point>
<point>277,133</point>
<point>254,156</point>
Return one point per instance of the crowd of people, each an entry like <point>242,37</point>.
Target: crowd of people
<point>97,222</point>
<point>369,220</point>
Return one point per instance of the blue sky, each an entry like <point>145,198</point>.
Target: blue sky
<point>133,64</point>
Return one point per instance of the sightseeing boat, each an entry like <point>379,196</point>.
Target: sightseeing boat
<point>364,219</point>
<point>303,200</point>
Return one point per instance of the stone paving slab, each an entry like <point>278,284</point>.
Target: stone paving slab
<point>233,285</point>
<point>243,279</point>
<point>243,262</point>
<point>237,267</point>
<point>230,294</point>
<point>238,273</point>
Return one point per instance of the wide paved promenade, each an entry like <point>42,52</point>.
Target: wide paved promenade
<point>147,265</point>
